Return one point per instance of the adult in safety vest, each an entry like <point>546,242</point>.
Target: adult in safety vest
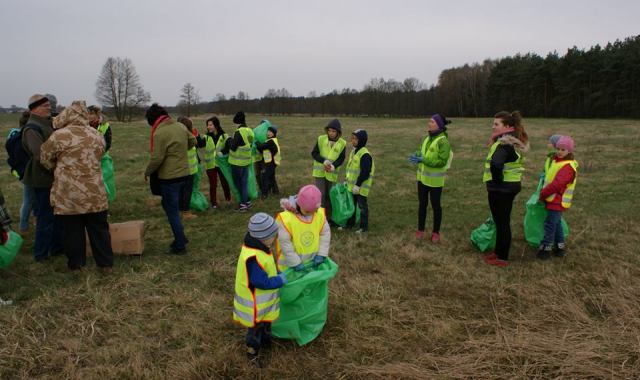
<point>215,141</point>
<point>557,194</point>
<point>360,171</point>
<point>256,302</point>
<point>240,159</point>
<point>272,157</point>
<point>328,156</point>
<point>193,161</point>
<point>503,169</point>
<point>304,235</point>
<point>433,160</point>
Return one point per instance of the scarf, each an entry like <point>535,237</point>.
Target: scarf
<point>496,135</point>
<point>153,129</point>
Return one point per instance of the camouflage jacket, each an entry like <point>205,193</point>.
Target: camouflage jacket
<point>74,153</point>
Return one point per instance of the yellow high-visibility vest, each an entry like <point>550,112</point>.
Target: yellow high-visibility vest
<point>331,153</point>
<point>257,305</point>
<point>192,155</point>
<point>432,177</point>
<point>353,171</point>
<point>242,155</point>
<point>512,171</point>
<point>211,150</point>
<point>267,153</point>
<point>554,168</point>
<point>305,236</point>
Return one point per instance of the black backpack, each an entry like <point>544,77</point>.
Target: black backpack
<point>18,157</point>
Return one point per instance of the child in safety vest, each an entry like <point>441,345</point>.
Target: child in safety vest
<point>270,152</point>
<point>551,145</point>
<point>557,193</point>
<point>304,235</point>
<point>256,301</point>
<point>360,171</point>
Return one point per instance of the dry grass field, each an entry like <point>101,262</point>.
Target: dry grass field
<point>398,308</point>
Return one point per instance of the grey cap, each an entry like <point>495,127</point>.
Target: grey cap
<point>262,226</point>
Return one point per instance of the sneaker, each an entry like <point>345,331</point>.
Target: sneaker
<point>249,205</point>
<point>544,253</point>
<point>490,256</point>
<point>435,237</point>
<point>361,231</point>
<point>241,208</point>
<point>560,251</point>
<point>340,228</point>
<point>253,357</point>
<point>497,262</point>
<point>213,207</point>
<point>419,235</point>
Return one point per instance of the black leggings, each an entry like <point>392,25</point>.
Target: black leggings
<point>435,193</point>
<point>501,204</point>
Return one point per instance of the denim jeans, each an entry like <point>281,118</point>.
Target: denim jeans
<point>48,239</point>
<point>171,204</point>
<point>28,205</point>
<point>553,229</point>
<point>240,176</point>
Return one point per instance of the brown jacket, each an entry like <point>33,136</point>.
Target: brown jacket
<point>74,152</point>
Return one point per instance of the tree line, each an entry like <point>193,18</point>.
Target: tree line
<point>598,82</point>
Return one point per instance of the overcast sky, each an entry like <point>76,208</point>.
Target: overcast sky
<point>227,46</point>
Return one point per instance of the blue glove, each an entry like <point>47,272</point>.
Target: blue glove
<point>415,158</point>
<point>299,268</point>
<point>283,278</point>
<point>318,260</point>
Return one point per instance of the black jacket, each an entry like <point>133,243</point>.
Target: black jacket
<point>504,153</point>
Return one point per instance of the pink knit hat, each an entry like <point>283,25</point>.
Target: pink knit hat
<point>565,142</point>
<point>309,198</point>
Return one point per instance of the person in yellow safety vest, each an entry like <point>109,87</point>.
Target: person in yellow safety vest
<point>304,234</point>
<point>193,159</point>
<point>270,151</point>
<point>328,156</point>
<point>256,302</point>
<point>359,176</point>
<point>97,121</point>
<point>239,149</point>
<point>551,145</point>
<point>503,169</point>
<point>214,143</point>
<point>557,193</point>
<point>433,161</point>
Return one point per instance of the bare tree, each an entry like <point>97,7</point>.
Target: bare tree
<point>119,87</point>
<point>190,98</point>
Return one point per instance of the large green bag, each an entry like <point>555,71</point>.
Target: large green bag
<point>260,132</point>
<point>484,237</point>
<point>108,176</point>
<point>9,249</point>
<point>534,217</point>
<point>342,206</point>
<point>304,301</point>
<point>225,168</point>
<point>198,201</point>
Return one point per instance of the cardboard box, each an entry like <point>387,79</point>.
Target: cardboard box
<point>127,238</point>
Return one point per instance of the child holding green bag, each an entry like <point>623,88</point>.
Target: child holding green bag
<point>5,224</point>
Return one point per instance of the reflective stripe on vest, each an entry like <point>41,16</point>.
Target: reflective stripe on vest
<point>259,305</point>
<point>432,177</point>
<point>353,171</point>
<point>242,155</point>
<point>552,171</point>
<point>512,171</point>
<point>192,155</point>
<point>330,153</point>
<point>267,153</point>
<point>212,149</point>
<point>305,236</point>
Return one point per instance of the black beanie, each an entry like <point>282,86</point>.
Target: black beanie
<point>154,112</point>
<point>239,118</point>
<point>334,124</point>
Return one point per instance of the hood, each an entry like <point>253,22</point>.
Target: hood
<point>509,139</point>
<point>76,114</point>
<point>362,136</point>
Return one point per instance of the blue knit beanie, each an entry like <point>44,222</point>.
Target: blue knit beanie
<point>262,226</point>
<point>553,140</point>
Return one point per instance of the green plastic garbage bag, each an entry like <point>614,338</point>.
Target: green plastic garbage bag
<point>304,302</point>
<point>260,132</point>
<point>198,201</point>
<point>342,206</point>
<point>484,237</point>
<point>108,176</point>
<point>225,168</point>
<point>534,217</point>
<point>9,250</point>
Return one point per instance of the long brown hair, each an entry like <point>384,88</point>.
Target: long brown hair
<point>513,119</point>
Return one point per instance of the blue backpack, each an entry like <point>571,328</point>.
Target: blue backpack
<point>18,157</point>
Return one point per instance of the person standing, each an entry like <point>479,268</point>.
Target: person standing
<point>78,195</point>
<point>214,143</point>
<point>170,142</point>
<point>48,236</point>
<point>98,122</point>
<point>433,161</point>
<point>194,162</point>
<point>5,229</point>
<point>270,152</point>
<point>503,170</point>
<point>360,171</point>
<point>328,156</point>
<point>239,149</point>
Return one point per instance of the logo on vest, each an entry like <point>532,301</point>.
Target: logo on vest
<point>307,238</point>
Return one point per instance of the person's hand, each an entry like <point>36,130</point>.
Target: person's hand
<point>4,237</point>
<point>355,190</point>
<point>299,268</point>
<point>283,278</point>
<point>415,158</point>
<point>318,260</point>
<point>327,165</point>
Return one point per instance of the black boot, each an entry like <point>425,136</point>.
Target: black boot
<point>560,251</point>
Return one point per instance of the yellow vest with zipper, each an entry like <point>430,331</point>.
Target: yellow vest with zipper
<point>242,155</point>
<point>330,153</point>
<point>305,236</point>
<point>428,176</point>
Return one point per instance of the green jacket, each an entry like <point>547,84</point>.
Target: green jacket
<point>169,157</point>
<point>36,175</point>
<point>444,150</point>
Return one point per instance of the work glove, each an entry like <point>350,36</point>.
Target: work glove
<point>283,278</point>
<point>299,268</point>
<point>355,190</point>
<point>415,158</point>
<point>4,237</point>
<point>318,260</point>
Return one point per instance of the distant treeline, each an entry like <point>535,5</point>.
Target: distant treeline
<point>599,82</point>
